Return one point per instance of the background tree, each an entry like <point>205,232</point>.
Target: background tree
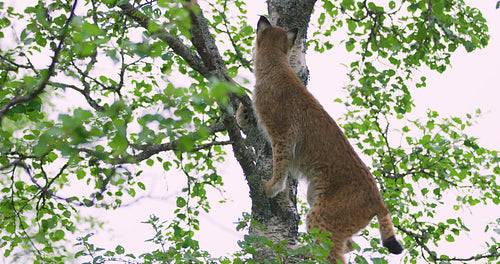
<point>156,83</point>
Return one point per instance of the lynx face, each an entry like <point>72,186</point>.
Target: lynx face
<point>342,192</point>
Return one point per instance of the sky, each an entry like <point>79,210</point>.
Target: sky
<point>471,83</point>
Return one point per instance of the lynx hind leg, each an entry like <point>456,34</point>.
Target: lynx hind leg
<point>282,156</point>
<point>315,220</point>
<point>311,192</point>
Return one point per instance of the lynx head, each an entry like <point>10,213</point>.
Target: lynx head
<point>274,39</point>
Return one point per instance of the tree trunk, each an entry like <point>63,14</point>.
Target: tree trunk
<point>279,216</point>
<point>294,14</point>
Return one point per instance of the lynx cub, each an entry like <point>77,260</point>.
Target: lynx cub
<point>342,192</point>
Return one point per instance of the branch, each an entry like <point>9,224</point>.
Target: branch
<point>420,241</point>
<point>21,156</point>
<point>15,66</point>
<point>495,255</point>
<point>150,149</point>
<point>44,190</point>
<point>16,163</point>
<point>16,212</point>
<point>193,60</point>
<point>46,77</point>
<point>85,92</point>
<point>385,136</point>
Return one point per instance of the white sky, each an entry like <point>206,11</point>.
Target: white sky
<point>471,83</point>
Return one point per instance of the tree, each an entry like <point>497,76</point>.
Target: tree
<point>124,61</point>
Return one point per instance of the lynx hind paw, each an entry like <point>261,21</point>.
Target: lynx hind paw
<point>242,117</point>
<point>267,188</point>
<point>271,188</point>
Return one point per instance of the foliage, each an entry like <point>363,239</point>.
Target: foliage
<point>146,90</point>
<point>421,165</point>
<point>174,245</point>
<point>132,110</point>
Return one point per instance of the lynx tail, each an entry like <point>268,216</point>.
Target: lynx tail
<point>388,237</point>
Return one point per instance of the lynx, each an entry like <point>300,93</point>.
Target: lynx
<point>305,140</point>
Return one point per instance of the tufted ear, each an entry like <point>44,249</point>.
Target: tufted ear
<point>291,35</point>
<point>263,24</point>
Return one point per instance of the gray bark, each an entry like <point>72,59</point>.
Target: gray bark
<point>294,14</point>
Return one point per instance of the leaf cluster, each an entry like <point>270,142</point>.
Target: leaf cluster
<point>423,165</point>
<point>90,99</point>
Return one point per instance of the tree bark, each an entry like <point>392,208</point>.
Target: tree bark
<point>294,14</point>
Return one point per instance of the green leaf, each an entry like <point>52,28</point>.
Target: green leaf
<point>19,185</point>
<point>40,237</point>
<point>52,156</point>
<point>88,202</point>
<point>349,45</point>
<point>348,4</point>
<point>66,214</point>
<point>11,228</point>
<point>351,25</point>
<point>110,3</point>
<point>119,250</point>
<point>164,3</point>
<point>181,216</point>
<point>379,261</point>
<point>119,142</point>
<point>29,137</point>
<point>185,143</point>
<point>321,19</point>
<point>57,235</point>
<point>181,202</point>
<point>91,29</point>
<point>131,192</point>
<point>80,174</point>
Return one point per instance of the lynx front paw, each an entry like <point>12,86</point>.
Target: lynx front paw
<point>242,117</point>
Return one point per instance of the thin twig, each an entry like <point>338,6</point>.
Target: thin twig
<point>240,57</point>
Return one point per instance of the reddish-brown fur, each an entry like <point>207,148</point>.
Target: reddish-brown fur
<point>342,192</point>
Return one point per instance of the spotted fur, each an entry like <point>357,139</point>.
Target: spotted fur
<point>342,192</point>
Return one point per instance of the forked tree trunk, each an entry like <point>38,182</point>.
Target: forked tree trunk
<point>279,216</point>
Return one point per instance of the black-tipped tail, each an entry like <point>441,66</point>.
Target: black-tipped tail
<point>393,245</point>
